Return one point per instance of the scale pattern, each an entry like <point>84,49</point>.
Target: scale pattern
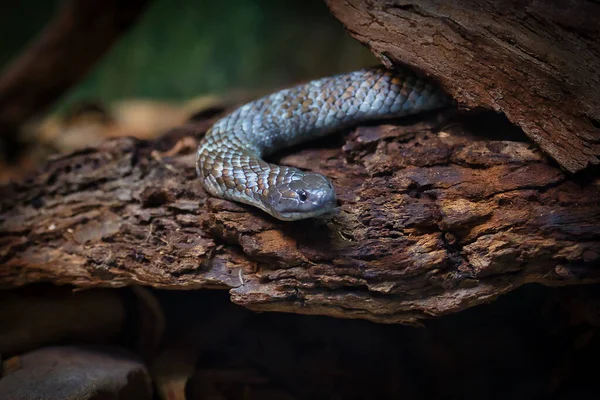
<point>229,157</point>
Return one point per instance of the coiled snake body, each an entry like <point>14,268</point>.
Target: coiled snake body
<point>229,161</point>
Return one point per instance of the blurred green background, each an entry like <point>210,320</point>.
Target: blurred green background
<point>180,49</point>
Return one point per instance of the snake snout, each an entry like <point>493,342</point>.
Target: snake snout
<point>316,190</point>
<point>324,198</point>
<point>307,197</point>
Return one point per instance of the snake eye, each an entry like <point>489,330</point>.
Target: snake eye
<point>302,195</point>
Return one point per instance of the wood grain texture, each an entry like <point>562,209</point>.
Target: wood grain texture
<point>535,61</point>
<point>431,222</point>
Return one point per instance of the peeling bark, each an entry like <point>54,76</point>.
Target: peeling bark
<point>431,222</point>
<point>535,61</point>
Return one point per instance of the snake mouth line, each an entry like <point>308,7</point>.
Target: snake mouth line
<point>295,216</point>
<point>326,208</point>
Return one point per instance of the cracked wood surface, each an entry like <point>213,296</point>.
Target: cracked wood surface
<point>535,61</point>
<point>431,221</point>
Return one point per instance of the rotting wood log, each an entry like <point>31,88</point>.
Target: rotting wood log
<point>535,61</point>
<point>433,219</point>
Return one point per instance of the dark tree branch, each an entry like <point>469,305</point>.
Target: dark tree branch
<point>61,56</point>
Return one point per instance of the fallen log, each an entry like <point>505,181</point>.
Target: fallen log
<point>433,219</point>
<point>435,215</point>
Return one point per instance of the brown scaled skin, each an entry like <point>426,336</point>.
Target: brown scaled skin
<point>229,161</point>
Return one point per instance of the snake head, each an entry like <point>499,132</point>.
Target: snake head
<point>308,196</point>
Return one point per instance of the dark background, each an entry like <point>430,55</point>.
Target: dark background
<point>179,49</point>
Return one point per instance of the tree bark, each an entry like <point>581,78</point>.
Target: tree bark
<point>430,222</point>
<point>433,218</point>
<point>535,61</point>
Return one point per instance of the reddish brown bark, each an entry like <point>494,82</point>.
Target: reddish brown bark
<point>430,223</point>
<point>535,61</point>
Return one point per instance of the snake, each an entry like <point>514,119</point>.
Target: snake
<point>229,158</point>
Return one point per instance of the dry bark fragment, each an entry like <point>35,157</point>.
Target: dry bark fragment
<point>537,62</point>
